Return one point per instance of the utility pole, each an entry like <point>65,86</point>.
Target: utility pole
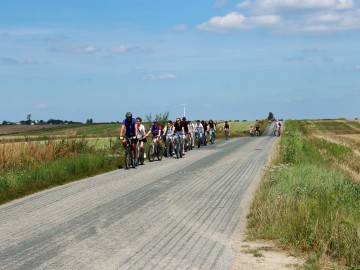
<point>184,108</point>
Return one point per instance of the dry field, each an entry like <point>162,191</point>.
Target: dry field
<point>341,132</point>
<point>11,129</point>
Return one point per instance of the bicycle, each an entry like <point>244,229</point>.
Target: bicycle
<point>169,146</point>
<point>141,154</point>
<point>129,155</point>
<point>198,138</point>
<point>227,133</point>
<point>205,138</point>
<point>212,135</point>
<point>178,146</point>
<point>277,133</point>
<point>257,132</point>
<point>155,149</point>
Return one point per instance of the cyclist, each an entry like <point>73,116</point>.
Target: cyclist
<point>227,128</point>
<point>206,130</point>
<point>179,132</point>
<point>168,133</point>
<point>251,131</point>
<point>130,126</point>
<point>199,130</point>
<point>141,134</point>
<point>156,130</point>
<point>212,128</point>
<point>278,127</point>
<point>257,130</point>
<point>192,132</point>
<point>186,129</point>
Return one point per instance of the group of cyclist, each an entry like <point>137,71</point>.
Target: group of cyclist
<point>181,129</point>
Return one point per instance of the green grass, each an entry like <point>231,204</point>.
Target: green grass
<point>307,204</point>
<point>18,183</point>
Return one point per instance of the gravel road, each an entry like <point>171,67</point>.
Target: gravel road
<point>173,214</point>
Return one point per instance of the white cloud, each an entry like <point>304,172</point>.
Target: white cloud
<point>118,49</point>
<point>237,21</point>
<point>290,16</point>
<point>160,77</point>
<point>276,6</point>
<point>41,106</point>
<point>357,68</point>
<point>81,49</point>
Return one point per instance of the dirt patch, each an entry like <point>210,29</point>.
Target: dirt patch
<point>263,255</point>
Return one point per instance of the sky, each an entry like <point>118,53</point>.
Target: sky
<point>214,59</point>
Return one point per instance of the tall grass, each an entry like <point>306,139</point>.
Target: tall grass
<point>18,183</point>
<point>308,204</point>
<point>28,167</point>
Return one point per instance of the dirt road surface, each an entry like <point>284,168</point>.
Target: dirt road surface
<point>173,214</point>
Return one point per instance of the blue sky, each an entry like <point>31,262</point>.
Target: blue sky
<point>224,59</point>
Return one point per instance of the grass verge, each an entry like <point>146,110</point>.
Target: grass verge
<point>306,203</point>
<point>18,183</point>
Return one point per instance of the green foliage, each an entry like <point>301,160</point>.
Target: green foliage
<point>19,183</point>
<point>307,204</point>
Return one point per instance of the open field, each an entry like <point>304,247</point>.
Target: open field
<point>309,200</point>
<point>32,154</point>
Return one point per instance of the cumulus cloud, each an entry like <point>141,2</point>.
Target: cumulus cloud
<point>160,77</point>
<point>289,16</point>
<point>237,21</point>
<point>276,6</point>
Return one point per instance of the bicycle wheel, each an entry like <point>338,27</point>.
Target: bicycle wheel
<point>128,158</point>
<point>151,152</point>
<point>141,157</point>
<point>198,140</point>
<point>159,152</point>
<point>212,138</point>
<point>176,148</point>
<point>179,148</point>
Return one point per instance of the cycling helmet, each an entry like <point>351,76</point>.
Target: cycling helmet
<point>128,115</point>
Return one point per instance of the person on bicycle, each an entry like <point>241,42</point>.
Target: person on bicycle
<point>130,126</point>
<point>156,131</point>
<point>212,128</point>
<point>278,127</point>
<point>257,130</point>
<point>199,131</point>
<point>179,132</point>
<point>227,128</point>
<point>192,132</point>
<point>186,129</point>
<point>251,131</point>
<point>168,133</point>
<point>141,133</point>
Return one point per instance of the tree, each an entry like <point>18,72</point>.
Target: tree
<point>28,119</point>
<point>89,121</point>
<point>161,118</point>
<point>271,116</point>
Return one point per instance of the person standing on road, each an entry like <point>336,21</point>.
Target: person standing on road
<point>130,126</point>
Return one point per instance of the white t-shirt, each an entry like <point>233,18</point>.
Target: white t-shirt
<point>141,131</point>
